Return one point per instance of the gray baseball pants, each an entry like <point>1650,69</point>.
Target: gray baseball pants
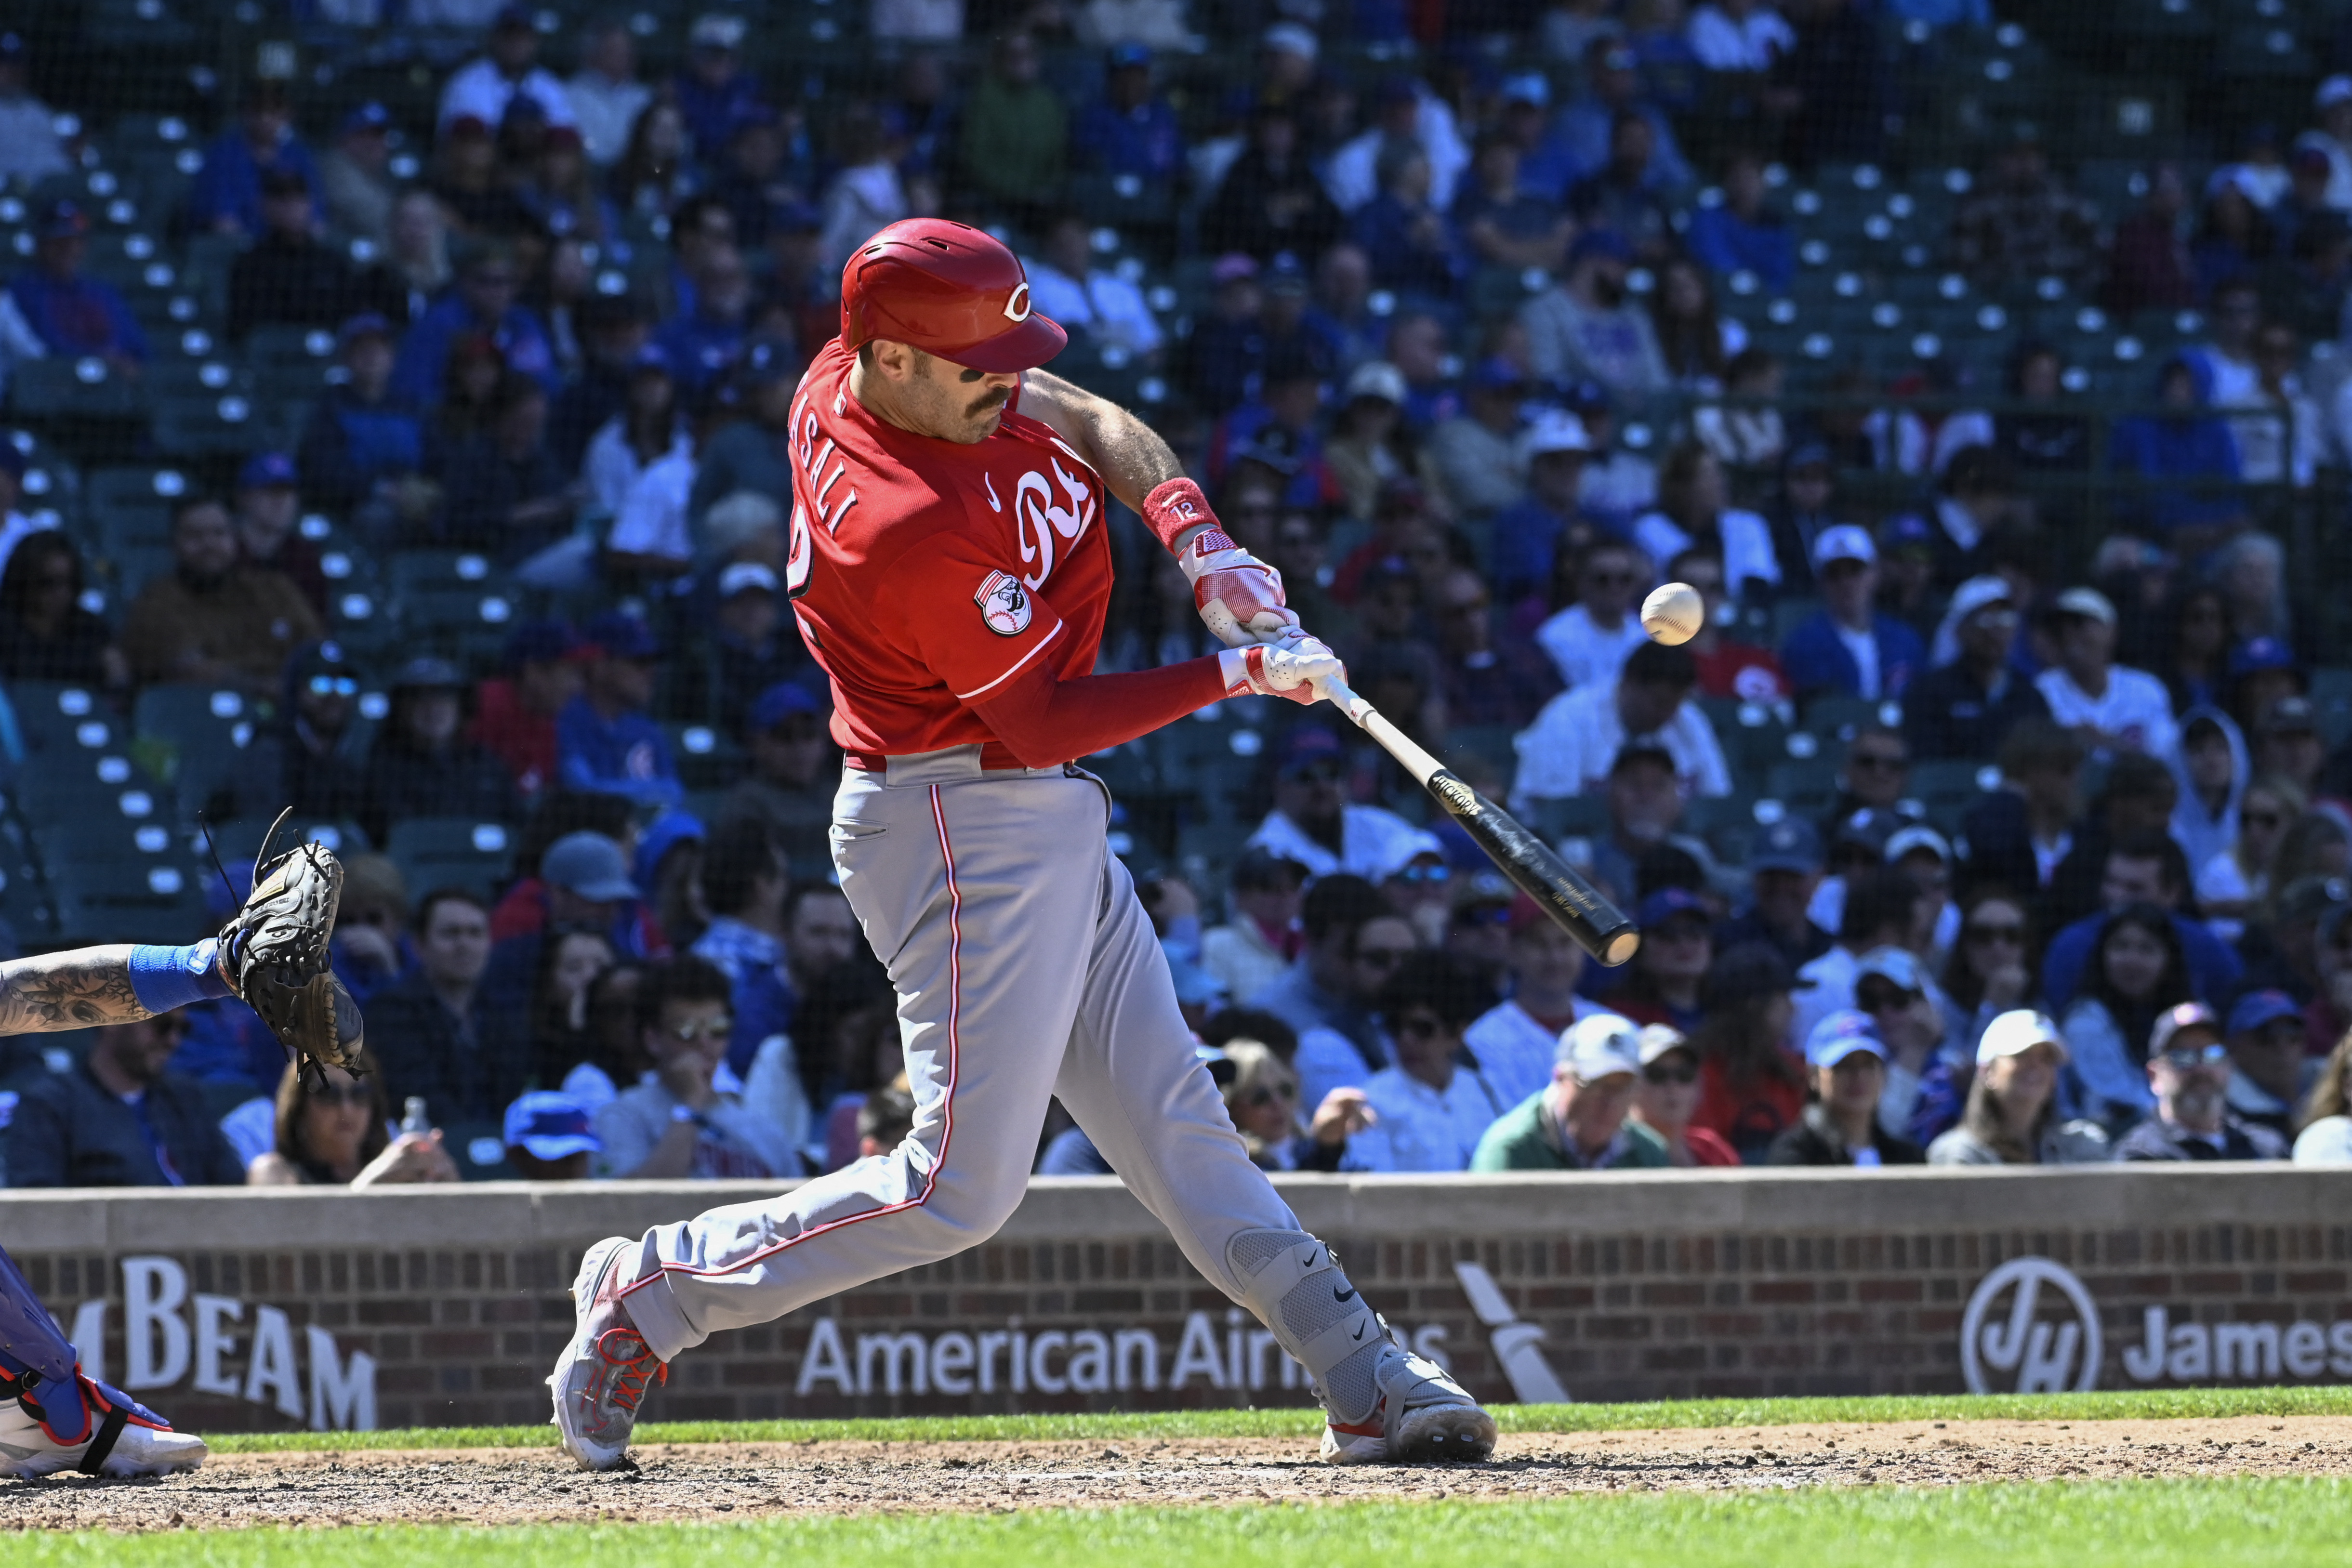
<point>1025,968</point>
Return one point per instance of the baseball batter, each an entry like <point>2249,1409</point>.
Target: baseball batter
<point>949,568</point>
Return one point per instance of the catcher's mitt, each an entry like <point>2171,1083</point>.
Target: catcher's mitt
<point>274,953</point>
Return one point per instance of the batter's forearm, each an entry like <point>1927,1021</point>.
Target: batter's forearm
<point>75,989</point>
<point>1129,453</point>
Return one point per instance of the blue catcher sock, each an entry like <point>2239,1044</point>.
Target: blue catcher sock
<point>164,979</point>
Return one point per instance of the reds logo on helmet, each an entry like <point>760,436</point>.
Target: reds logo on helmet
<point>1004,604</point>
<point>950,290</point>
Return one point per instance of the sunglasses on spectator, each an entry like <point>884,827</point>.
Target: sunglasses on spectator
<point>333,686</point>
<point>2007,935</point>
<point>1267,1094</point>
<point>336,1094</point>
<point>1880,998</point>
<point>2190,1058</point>
<point>1662,1075</point>
<point>1316,773</point>
<point>1412,874</point>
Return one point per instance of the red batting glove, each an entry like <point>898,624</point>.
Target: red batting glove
<point>1289,666</point>
<point>1238,595</point>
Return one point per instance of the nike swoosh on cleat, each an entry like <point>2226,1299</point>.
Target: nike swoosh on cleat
<point>1347,1295</point>
<point>1358,1333</point>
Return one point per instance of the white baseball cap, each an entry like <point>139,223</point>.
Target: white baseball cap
<point>2014,1033</point>
<point>1978,593</point>
<point>1918,836</point>
<point>1658,1039</point>
<point>2336,89</point>
<point>1556,432</point>
<point>2087,602</point>
<point>1290,38</point>
<point>1898,965</point>
<point>1843,542</point>
<point>1598,1047</point>
<point>1377,378</point>
<point>745,575</point>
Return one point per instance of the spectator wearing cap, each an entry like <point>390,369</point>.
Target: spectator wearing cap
<point>1313,822</point>
<point>1694,511</point>
<point>1067,286</point>
<point>31,151</point>
<point>2332,137</point>
<point>1274,429</point>
<point>1258,945</point>
<point>1847,648</point>
<point>1965,706</point>
<point>515,713</point>
<point>508,67</point>
<point>2113,708</point>
<point>2288,746</point>
<point>2270,1072</point>
<point>289,277</point>
<point>1526,536</point>
<point>1743,233</point>
<point>483,302</point>
<point>1271,201</point>
<point>1893,990</point>
<point>2262,671</point>
<point>321,767</point>
<point>1663,982</point>
<point>1587,325</point>
<point>1614,86</point>
<point>269,504</point>
<point>1516,1041</point>
<point>1503,222</point>
<point>214,617</point>
<point>1406,116</point>
<point>1431,1104</point>
<point>550,1136</point>
<point>422,763</point>
<point>1751,1085</point>
<point>73,315</point>
<point>1623,196</point>
<point>712,89</point>
<point>1784,869</point>
<point>751,456</point>
<point>583,881</point>
<point>1578,1122</point>
<point>363,445</point>
<point>1667,1098</point>
<point>1847,1062</point>
<point>432,1031</point>
<point>2013,1116</point>
<point>1588,641</point>
<point>1476,451</point>
<point>356,189</point>
<point>795,767</point>
<point>1225,354</point>
<point>2188,458</point>
<point>604,740</point>
<point>1130,129</point>
<point>752,648</point>
<point>1645,811</point>
<point>1369,447</point>
<point>1573,743</point>
<point>2189,1116</point>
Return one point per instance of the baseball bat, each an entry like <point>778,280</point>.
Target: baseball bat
<point>1598,926</point>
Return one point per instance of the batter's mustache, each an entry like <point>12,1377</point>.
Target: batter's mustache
<point>992,402</point>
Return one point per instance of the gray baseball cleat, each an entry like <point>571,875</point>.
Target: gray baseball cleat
<point>603,1374</point>
<point>1424,1418</point>
<point>47,1428</point>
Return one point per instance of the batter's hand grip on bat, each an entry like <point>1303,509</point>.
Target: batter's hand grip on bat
<point>1578,908</point>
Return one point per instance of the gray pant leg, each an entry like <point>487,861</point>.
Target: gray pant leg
<point>979,896</point>
<point>1132,1081</point>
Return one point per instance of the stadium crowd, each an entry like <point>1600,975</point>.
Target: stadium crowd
<point>1992,818</point>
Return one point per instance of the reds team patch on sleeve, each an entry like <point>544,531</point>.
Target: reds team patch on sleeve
<point>1003,604</point>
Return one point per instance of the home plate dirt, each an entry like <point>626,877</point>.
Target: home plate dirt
<point>743,1480</point>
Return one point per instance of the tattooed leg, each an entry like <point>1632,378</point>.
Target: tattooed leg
<point>79,988</point>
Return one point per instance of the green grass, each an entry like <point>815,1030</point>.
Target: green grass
<point>2120,1405</point>
<point>2268,1523</point>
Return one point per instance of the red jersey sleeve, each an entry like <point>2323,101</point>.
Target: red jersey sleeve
<point>971,620</point>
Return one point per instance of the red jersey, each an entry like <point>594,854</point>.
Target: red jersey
<point>926,573</point>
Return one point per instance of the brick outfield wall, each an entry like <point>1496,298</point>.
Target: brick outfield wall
<point>1645,1287</point>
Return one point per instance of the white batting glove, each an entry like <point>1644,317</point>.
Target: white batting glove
<point>1238,595</point>
<point>1294,665</point>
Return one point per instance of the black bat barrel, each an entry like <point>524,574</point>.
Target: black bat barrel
<point>1598,926</point>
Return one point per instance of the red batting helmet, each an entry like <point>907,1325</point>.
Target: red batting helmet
<point>950,290</point>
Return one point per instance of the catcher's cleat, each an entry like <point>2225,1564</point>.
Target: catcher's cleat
<point>603,1374</point>
<point>1424,1418</point>
<point>47,1428</point>
<point>273,952</point>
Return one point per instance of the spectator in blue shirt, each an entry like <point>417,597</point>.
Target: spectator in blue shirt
<point>714,90</point>
<point>1846,649</point>
<point>1744,234</point>
<point>1622,196</point>
<point>745,885</point>
<point>604,742</point>
<point>704,346</point>
<point>226,196</point>
<point>1411,248</point>
<point>2190,452</point>
<point>362,440</point>
<point>1130,129</point>
<point>1501,224</point>
<point>75,316</point>
<point>484,302</point>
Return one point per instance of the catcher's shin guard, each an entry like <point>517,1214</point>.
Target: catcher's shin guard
<point>29,1341</point>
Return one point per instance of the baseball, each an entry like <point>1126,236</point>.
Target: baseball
<point>1672,613</point>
